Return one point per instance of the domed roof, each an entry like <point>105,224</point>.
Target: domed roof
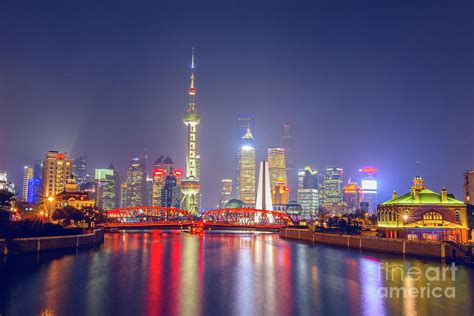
<point>234,203</point>
<point>293,206</point>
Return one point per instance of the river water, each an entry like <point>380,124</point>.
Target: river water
<point>155,273</point>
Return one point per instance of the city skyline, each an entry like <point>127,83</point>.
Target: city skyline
<point>90,95</point>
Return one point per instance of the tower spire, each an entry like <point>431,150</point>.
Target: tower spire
<point>192,88</point>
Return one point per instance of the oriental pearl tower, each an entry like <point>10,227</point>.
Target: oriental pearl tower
<point>190,185</point>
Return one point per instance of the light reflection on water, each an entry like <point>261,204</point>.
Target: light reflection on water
<point>155,272</point>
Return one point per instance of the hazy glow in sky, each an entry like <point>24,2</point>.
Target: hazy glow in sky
<point>363,83</point>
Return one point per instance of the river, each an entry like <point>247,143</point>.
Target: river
<point>154,272</point>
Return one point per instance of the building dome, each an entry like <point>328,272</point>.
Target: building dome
<point>234,203</point>
<point>191,118</point>
<point>293,207</point>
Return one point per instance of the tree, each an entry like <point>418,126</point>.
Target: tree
<point>68,214</point>
<point>6,199</point>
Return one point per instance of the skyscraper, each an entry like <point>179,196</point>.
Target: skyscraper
<point>162,167</point>
<point>280,193</point>
<point>277,165</point>
<point>226,194</point>
<point>136,182</point>
<point>57,169</point>
<point>123,195</point>
<point>171,192</point>
<point>307,178</point>
<point>27,176</point>
<point>35,188</point>
<point>291,174</point>
<point>352,196</point>
<point>190,186</point>
<point>264,198</point>
<point>307,193</point>
<point>148,194</point>
<point>247,169</point>
<point>108,188</point>
<point>244,121</point>
<point>80,170</point>
<point>369,187</point>
<point>333,190</point>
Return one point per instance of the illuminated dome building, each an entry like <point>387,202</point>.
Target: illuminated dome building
<point>190,186</point>
<point>234,203</point>
<point>423,214</point>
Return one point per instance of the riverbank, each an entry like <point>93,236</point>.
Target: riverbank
<point>40,244</point>
<point>432,249</point>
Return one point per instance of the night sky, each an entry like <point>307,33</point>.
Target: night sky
<point>382,83</point>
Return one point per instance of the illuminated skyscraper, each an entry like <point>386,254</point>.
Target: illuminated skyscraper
<point>308,191</point>
<point>80,170</point>
<point>170,194</point>
<point>244,121</point>
<point>226,194</point>
<point>280,193</point>
<point>277,166</point>
<point>247,169</point>
<point>123,195</point>
<point>333,190</point>
<point>190,186</point>
<point>108,188</point>
<point>291,173</point>
<point>369,187</point>
<point>264,198</point>
<point>162,167</point>
<point>136,182</point>
<point>57,169</point>
<point>27,176</point>
<point>352,196</point>
<point>307,178</point>
<point>35,188</point>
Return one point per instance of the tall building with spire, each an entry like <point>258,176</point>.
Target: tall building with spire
<point>291,172</point>
<point>190,185</point>
<point>244,121</point>
<point>247,169</point>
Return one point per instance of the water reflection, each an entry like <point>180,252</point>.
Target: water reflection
<point>156,272</point>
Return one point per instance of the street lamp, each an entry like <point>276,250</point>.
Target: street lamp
<point>405,218</point>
